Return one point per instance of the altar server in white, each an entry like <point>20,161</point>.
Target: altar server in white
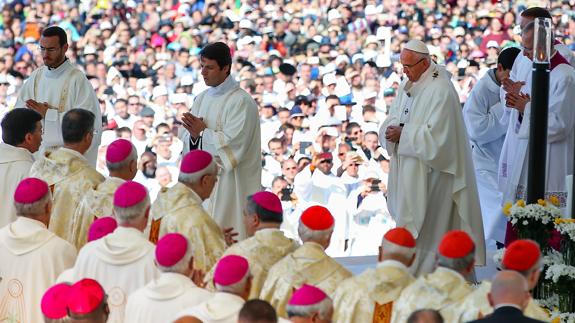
<point>224,121</point>
<point>57,87</point>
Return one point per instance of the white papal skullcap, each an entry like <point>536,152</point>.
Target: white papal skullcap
<point>417,46</point>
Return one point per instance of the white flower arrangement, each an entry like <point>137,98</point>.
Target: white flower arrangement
<point>543,212</point>
<point>553,257</point>
<point>566,227</point>
<point>550,302</point>
<point>555,271</point>
<point>498,257</point>
<point>558,317</point>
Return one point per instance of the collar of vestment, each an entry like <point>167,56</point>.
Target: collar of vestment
<point>110,184</point>
<point>450,272</point>
<point>498,306</point>
<point>219,307</point>
<point>414,88</point>
<point>10,154</point>
<point>168,286</point>
<point>58,71</point>
<point>25,235</point>
<point>123,246</point>
<point>392,263</point>
<point>274,238</point>
<point>171,199</point>
<point>227,85</point>
<point>73,152</point>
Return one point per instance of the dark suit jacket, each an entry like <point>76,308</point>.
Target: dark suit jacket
<point>506,314</point>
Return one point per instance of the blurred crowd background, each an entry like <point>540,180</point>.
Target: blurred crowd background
<point>324,74</point>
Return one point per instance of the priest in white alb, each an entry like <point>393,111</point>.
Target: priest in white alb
<point>57,87</point>
<point>309,264</point>
<point>173,291</point>
<point>369,297</point>
<point>232,279</point>
<point>431,187</point>
<point>224,121</point>
<point>122,261</point>
<point>31,257</point>
<point>122,163</point>
<point>67,171</point>
<point>266,244</point>
<point>513,164</point>
<point>21,137</point>
<point>179,209</point>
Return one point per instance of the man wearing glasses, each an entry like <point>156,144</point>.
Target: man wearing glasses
<point>57,87</point>
<point>431,187</point>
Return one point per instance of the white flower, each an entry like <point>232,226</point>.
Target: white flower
<point>555,271</point>
<point>525,222</point>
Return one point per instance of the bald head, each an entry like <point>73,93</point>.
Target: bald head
<point>425,316</point>
<point>509,287</point>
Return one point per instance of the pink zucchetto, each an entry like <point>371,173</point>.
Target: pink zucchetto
<point>129,194</point>
<point>118,151</point>
<point>268,201</point>
<point>55,300</point>
<point>170,249</point>
<point>230,270</point>
<point>195,161</point>
<point>101,228</point>
<point>307,295</point>
<point>30,190</point>
<point>85,296</point>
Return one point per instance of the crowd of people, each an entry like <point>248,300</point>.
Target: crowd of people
<point>245,144</point>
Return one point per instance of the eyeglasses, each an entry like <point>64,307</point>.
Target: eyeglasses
<point>410,66</point>
<point>356,165</point>
<point>291,168</point>
<point>326,161</point>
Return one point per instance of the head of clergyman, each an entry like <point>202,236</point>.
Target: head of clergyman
<point>216,63</point>
<point>53,46</point>
<point>414,64</point>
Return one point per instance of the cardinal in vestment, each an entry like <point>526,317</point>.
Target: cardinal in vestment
<point>266,244</point>
<point>369,297</point>
<point>122,164</point>
<point>309,264</point>
<point>445,288</point>
<point>31,257</point>
<point>68,172</point>
<point>179,209</point>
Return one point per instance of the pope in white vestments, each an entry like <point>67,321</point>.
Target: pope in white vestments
<point>173,291</point>
<point>513,164</point>
<point>31,257</point>
<point>63,87</point>
<point>432,185</point>
<point>224,121</point>
<point>482,113</point>
<point>122,261</point>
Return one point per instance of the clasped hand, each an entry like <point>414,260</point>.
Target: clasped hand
<point>193,124</point>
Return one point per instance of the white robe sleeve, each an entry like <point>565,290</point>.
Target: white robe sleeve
<point>392,120</point>
<point>232,142</point>
<point>303,185</point>
<point>483,125</point>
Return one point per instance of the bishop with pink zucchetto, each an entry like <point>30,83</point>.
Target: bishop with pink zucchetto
<point>179,209</point>
<point>122,261</point>
<point>31,256</point>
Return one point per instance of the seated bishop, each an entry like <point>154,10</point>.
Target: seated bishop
<point>522,256</point>
<point>67,171</point>
<point>444,288</point>
<point>232,280</point>
<point>309,264</point>
<point>122,261</point>
<point>122,164</point>
<point>173,291</point>
<point>266,244</point>
<point>31,257</point>
<point>310,304</point>
<point>369,297</point>
<point>179,209</point>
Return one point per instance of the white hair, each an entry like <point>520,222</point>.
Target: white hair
<point>126,215</point>
<point>182,265</point>
<point>457,264</point>
<point>133,156</point>
<point>307,234</point>
<point>391,248</point>
<point>237,288</point>
<point>33,209</point>
<point>323,309</point>
<point>194,178</point>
